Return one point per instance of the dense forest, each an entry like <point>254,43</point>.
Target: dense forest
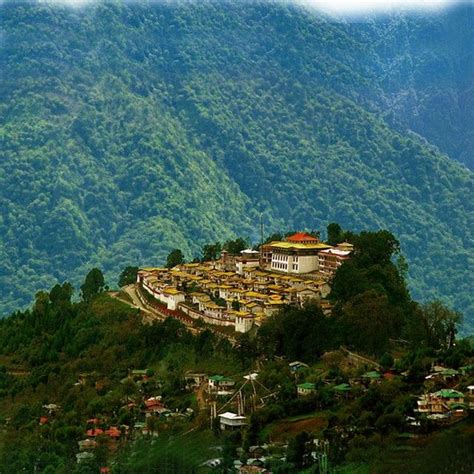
<point>130,130</point>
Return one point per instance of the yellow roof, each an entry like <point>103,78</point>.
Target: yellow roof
<point>254,294</point>
<point>214,306</point>
<point>153,269</point>
<point>252,304</point>
<point>296,246</point>
<point>192,265</point>
<point>204,298</point>
<point>242,314</point>
<point>172,291</point>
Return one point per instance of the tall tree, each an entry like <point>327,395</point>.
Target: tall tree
<point>128,276</point>
<point>175,257</point>
<point>93,284</point>
<point>234,247</point>
<point>440,323</point>
<point>211,251</point>
<point>335,233</point>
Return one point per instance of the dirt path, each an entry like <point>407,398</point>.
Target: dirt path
<point>149,315</point>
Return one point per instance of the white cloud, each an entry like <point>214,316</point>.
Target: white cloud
<point>354,7</point>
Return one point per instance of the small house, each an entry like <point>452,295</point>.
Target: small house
<point>372,377</point>
<point>220,383</point>
<point>342,390</point>
<point>230,421</point>
<point>305,389</point>
<point>297,365</point>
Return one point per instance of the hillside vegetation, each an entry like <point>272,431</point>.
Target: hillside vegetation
<point>71,368</point>
<point>126,131</point>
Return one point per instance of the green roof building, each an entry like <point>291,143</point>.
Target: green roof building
<point>306,388</point>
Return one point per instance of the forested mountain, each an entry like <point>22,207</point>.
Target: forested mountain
<point>128,130</point>
<point>425,67</point>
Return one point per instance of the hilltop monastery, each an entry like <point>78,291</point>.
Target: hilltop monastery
<point>242,290</point>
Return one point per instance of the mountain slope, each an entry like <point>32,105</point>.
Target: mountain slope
<point>425,66</point>
<point>129,130</point>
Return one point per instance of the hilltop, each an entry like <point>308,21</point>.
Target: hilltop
<point>101,382</point>
<point>129,130</point>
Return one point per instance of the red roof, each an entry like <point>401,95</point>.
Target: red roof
<point>113,432</point>
<point>104,470</point>
<point>95,432</point>
<point>43,420</point>
<point>302,237</point>
<point>153,402</point>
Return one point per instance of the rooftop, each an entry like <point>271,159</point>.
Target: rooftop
<point>300,246</point>
<point>302,237</point>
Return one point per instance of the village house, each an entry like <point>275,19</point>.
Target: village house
<point>470,397</point>
<point>220,384</point>
<point>371,377</point>
<point>231,421</point>
<point>342,390</point>
<point>155,406</point>
<point>439,402</point>
<point>194,379</point>
<point>296,365</point>
<point>305,389</point>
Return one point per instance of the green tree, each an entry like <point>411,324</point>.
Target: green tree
<point>440,324</point>
<point>175,257</point>
<point>128,276</point>
<point>234,247</point>
<point>211,251</point>
<point>299,450</point>
<point>375,247</point>
<point>370,321</point>
<point>335,234</point>
<point>386,361</point>
<point>93,284</point>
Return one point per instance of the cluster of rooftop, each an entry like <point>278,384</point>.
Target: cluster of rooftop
<point>242,290</point>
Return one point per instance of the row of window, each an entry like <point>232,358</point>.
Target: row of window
<point>283,258</point>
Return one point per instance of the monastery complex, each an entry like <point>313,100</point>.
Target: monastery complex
<point>240,291</point>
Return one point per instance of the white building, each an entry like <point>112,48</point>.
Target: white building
<point>243,321</point>
<point>248,259</point>
<point>172,297</point>
<point>297,255</point>
<point>229,420</point>
<point>331,259</point>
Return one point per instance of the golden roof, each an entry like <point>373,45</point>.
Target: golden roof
<point>298,246</point>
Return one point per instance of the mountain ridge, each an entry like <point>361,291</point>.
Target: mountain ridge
<point>144,128</point>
